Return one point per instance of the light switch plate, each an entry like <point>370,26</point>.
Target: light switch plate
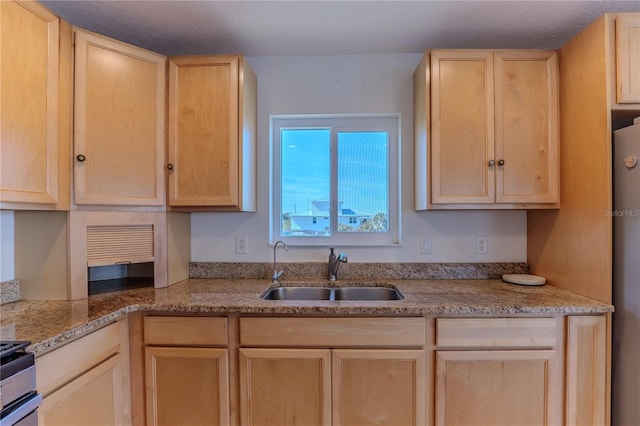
<point>425,245</point>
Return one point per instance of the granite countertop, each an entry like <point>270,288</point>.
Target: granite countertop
<point>50,323</point>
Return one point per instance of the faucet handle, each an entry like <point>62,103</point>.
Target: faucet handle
<point>277,275</point>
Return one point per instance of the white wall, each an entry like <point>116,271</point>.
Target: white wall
<point>352,84</point>
<point>6,246</point>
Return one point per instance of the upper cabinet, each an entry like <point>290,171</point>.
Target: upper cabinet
<point>29,138</point>
<point>212,133</point>
<point>119,123</point>
<point>486,130</point>
<point>526,120</point>
<point>628,58</point>
<point>462,129</point>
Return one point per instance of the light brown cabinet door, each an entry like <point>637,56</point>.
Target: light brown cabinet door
<point>187,386</point>
<point>381,387</point>
<point>498,388</point>
<point>29,103</point>
<point>119,123</point>
<point>628,58</point>
<point>212,133</point>
<point>203,131</point>
<point>285,387</point>
<point>462,127</point>
<point>526,127</point>
<point>91,399</point>
<point>586,370</point>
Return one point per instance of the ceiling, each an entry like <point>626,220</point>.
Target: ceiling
<point>308,27</point>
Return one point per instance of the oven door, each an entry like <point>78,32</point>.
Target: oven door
<point>22,411</point>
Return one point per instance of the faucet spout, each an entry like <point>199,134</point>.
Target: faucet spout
<point>334,263</point>
<point>277,274</point>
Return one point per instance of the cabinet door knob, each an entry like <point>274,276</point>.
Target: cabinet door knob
<point>500,162</point>
<point>170,166</point>
<point>80,157</point>
<point>492,163</point>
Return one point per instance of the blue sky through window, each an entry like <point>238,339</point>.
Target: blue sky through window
<point>305,168</point>
<point>362,169</point>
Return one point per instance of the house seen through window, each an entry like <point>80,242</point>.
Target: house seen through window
<point>335,179</point>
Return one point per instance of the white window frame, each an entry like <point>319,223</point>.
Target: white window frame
<point>338,123</point>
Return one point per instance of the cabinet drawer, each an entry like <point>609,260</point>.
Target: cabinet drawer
<point>496,332</point>
<point>333,332</point>
<point>185,331</point>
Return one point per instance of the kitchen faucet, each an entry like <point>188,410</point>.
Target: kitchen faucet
<point>334,263</point>
<point>277,274</point>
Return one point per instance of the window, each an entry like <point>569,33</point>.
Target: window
<point>335,180</point>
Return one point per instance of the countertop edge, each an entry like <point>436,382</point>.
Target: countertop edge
<point>47,345</point>
<point>42,347</point>
<point>49,324</point>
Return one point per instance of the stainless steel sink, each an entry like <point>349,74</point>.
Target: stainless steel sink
<point>367,293</point>
<point>298,293</point>
<point>333,293</point>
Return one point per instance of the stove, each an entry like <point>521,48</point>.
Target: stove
<point>7,347</point>
<point>19,399</point>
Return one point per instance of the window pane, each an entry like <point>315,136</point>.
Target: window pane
<point>363,182</point>
<point>319,161</point>
<point>305,174</point>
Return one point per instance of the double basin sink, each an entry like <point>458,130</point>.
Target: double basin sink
<point>349,293</point>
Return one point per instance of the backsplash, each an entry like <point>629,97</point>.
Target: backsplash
<point>9,291</point>
<point>356,271</point>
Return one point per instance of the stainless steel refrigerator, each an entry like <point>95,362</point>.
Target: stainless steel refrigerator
<point>626,277</point>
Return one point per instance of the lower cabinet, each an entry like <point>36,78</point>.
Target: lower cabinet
<point>325,371</point>
<point>586,371</point>
<point>87,400</point>
<point>186,376</point>
<point>285,386</point>
<point>502,371</point>
<point>496,387</point>
<point>377,386</point>
<point>86,382</point>
<point>329,385</point>
<point>324,387</point>
<point>186,386</point>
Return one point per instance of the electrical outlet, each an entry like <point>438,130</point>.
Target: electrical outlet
<point>242,245</point>
<point>425,245</point>
<point>482,245</point>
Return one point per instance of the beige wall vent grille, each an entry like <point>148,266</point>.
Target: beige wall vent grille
<point>107,245</point>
